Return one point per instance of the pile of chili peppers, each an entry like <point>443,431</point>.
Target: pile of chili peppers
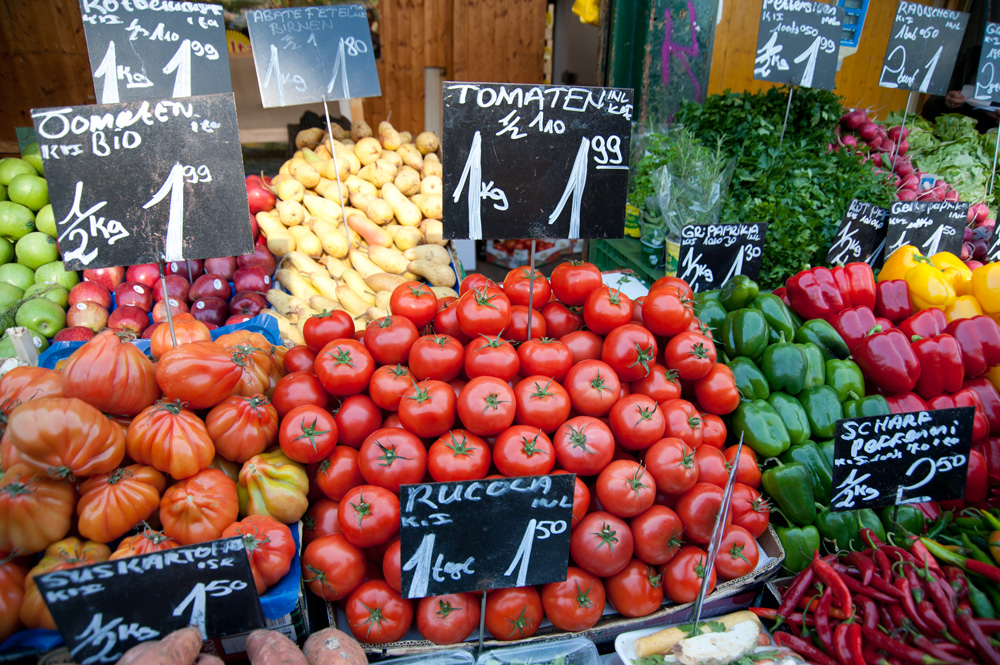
<point>890,605</point>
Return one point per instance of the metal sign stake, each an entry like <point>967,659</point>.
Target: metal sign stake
<point>895,148</point>
<point>993,173</point>
<point>788,110</point>
<point>166,302</point>
<point>482,625</point>
<point>531,287</point>
<point>340,187</point>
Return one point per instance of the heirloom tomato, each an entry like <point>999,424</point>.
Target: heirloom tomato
<point>369,516</point>
<point>392,457</point>
<point>584,445</point>
<point>186,329</point>
<point>325,327</point>
<point>428,408</point>
<point>514,614</point>
<point>575,604</point>
<point>146,542</point>
<point>25,383</point>
<point>414,301</point>
<point>200,373</point>
<point>199,508</point>
<point>63,555</point>
<point>344,367</point>
<point>170,439</point>
<point>486,406</point>
<point>35,511</point>
<point>389,339</point>
<point>601,544</point>
<point>377,613</point>
<point>272,484</point>
<point>112,503</point>
<point>657,534</point>
<point>11,595</point>
<point>332,568</point>
<point>307,434</point>
<point>448,619</point>
<point>111,375</point>
<point>269,546</point>
<point>241,426</point>
<point>635,591</point>
<point>458,455</point>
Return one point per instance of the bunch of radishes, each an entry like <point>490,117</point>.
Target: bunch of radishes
<point>978,232</point>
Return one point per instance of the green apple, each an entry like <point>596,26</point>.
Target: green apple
<point>3,193</point>
<point>54,292</point>
<point>15,220</point>
<point>36,249</point>
<point>7,346</point>
<point>6,251</point>
<point>9,294</point>
<point>29,190</point>
<point>56,273</point>
<point>41,314</point>
<point>33,155</point>
<point>45,221</point>
<point>11,167</point>
<point>17,275</point>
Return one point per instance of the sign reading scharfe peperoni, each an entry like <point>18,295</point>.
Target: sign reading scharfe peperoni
<point>798,42</point>
<point>535,161</point>
<point>923,47</point>
<point>139,181</point>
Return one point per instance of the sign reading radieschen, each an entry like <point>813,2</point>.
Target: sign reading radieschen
<point>988,74</point>
<point>861,236</point>
<point>485,534</point>
<point>144,182</point>
<point>798,43</point>
<point>931,226</point>
<point>923,47</point>
<point>535,161</point>
<point>104,609</point>
<point>155,50</point>
<point>901,458</point>
<point>712,253</point>
<point>307,54</point>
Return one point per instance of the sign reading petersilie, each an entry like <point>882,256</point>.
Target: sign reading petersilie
<point>988,74</point>
<point>861,235</point>
<point>798,43</point>
<point>104,609</point>
<point>152,50</point>
<point>307,54</point>
<point>902,458</point>
<point>931,226</point>
<point>142,182</point>
<point>485,534</point>
<point>923,47</point>
<point>535,161</point>
<point>712,253</point>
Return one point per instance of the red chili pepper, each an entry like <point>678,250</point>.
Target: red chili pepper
<point>882,561</point>
<point>858,589</point>
<point>864,564</point>
<point>964,397</point>
<point>869,655</point>
<point>921,642</point>
<point>941,366</point>
<point>794,594</point>
<point>869,611</point>
<point>814,293</point>
<point>892,300</point>
<point>823,629</point>
<point>984,569</point>
<point>938,589</point>
<point>869,536</point>
<point>925,323</point>
<point>893,647</point>
<point>840,649</point>
<point>897,617</point>
<point>990,397</point>
<point>910,606</point>
<point>835,583</point>
<point>979,639</point>
<point>804,648</point>
<point>956,650</point>
<point>885,587</point>
<point>989,625</point>
<point>899,554</point>
<point>853,324</point>
<point>906,403</point>
<point>888,361</point>
<point>924,558</point>
<point>980,341</point>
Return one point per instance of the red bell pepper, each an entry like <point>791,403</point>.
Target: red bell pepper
<point>931,510</point>
<point>853,325</point>
<point>888,361</point>
<point>925,323</point>
<point>941,367</point>
<point>892,300</point>
<point>990,398</point>
<point>964,397</point>
<point>990,450</point>
<point>856,282</point>
<point>884,322</point>
<point>814,293</point>
<point>976,483</point>
<point>980,340</point>
<point>780,292</point>
<point>906,403</point>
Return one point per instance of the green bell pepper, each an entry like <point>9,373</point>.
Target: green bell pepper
<point>793,415</point>
<point>823,335</point>
<point>784,367</point>
<point>823,410</point>
<point>870,520</point>
<point>737,292</point>
<point>811,456</point>
<point>777,314</point>
<point>712,314</point>
<point>744,333</point>
<point>910,520</point>
<point>712,294</point>
<point>750,381</point>
<point>826,447</point>
<point>873,405</point>
<point>761,427</point>
<point>815,365</point>
<point>791,487</point>
<point>841,529</point>
<point>846,378</point>
<point>799,545</point>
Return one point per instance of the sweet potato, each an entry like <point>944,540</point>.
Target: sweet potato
<point>406,212</point>
<point>427,142</point>
<point>269,647</point>
<point>332,647</point>
<point>407,180</point>
<point>368,150</point>
<point>180,647</point>
<point>388,136</point>
<point>360,129</point>
<point>208,659</point>
<point>309,137</point>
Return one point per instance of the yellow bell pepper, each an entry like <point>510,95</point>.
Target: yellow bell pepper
<point>964,307</point>
<point>986,287</point>
<point>993,376</point>
<point>900,262</point>
<point>955,271</point>
<point>929,287</point>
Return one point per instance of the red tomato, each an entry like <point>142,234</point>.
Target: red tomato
<point>577,603</point>
<point>513,614</point>
<point>681,287</point>
<point>666,313</point>
<point>388,384</point>
<point>625,489</point>
<point>606,309</point>
<point>299,359</point>
<point>713,431</point>
<point>332,567</point>
<point>747,472</point>
<point>637,309</point>
<point>339,473</point>
<point>560,320</point>
<point>483,311</point>
<point>545,357</point>
<point>357,417</point>
<point>572,282</point>
<point>448,619</point>
<point>414,301</point>
<point>738,553</point>
<point>691,354</point>
<point>391,565</point>
<point>491,356</point>
<point>377,613</point>
<point>661,384</point>
<point>749,509</point>
<point>458,455</point>
<point>391,457</point>
<point>297,389</point>
<point>581,499</point>
<point>308,434</point>
<point>716,392</point>
<point>712,466</point>
<point>446,322</point>
<point>601,544</point>
<point>321,329</point>
<point>523,451</point>
<point>428,408</point>
<point>320,520</point>
<point>269,546</point>
<point>637,422</point>
<point>698,509</point>
<point>392,420</point>
<point>637,590</point>
<point>517,329</point>
<point>584,445</point>
<point>593,387</point>
<point>517,286</point>
<point>344,367</point>
<point>473,281</point>
<point>199,373</point>
<point>541,402</point>
<point>630,350</point>
<point>486,406</point>
<point>682,421</point>
<point>657,534</point>
<point>369,515</point>
<point>683,574</point>
<point>584,345</point>
<point>671,462</point>
<point>389,339</point>
<point>436,357</point>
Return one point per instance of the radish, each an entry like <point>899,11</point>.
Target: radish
<point>904,169</point>
<point>907,194</point>
<point>887,145</point>
<point>903,147</point>
<point>972,264</point>
<point>951,195</point>
<point>968,235</point>
<point>897,132</point>
<point>979,249</point>
<point>849,140</point>
<point>989,224</point>
<point>868,131</point>
<point>966,251</point>
<point>910,181</point>
<point>978,212</point>
<point>853,119</point>
<point>875,143</point>
<point>876,159</point>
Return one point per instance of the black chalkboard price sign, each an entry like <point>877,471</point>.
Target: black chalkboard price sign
<point>798,43</point>
<point>153,50</point>
<point>931,226</point>
<point>104,609</point>
<point>923,47</point>
<point>143,182</point>
<point>485,534</point>
<point>712,253</point>
<point>988,74</point>
<point>535,161</point>
<point>308,54</point>
<point>902,458</point>
<point>861,236</point>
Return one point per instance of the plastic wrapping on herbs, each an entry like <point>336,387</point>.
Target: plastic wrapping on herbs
<point>695,199</point>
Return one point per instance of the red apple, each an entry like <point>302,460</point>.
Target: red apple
<point>210,310</point>
<point>176,307</point>
<point>258,197</point>
<point>237,318</point>
<point>109,278</point>
<point>148,332</point>
<point>90,292</point>
<point>261,257</point>
<point>211,326</point>
<point>210,286</point>
<point>144,273</point>
<point>247,303</point>
<point>224,267</point>
<point>254,228</point>
<point>177,288</point>
<point>89,315</point>
<point>74,334</point>
<point>134,293</point>
<point>129,317</point>
<point>181,268</point>
<point>252,278</point>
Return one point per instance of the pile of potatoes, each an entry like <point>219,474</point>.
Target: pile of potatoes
<point>390,188</point>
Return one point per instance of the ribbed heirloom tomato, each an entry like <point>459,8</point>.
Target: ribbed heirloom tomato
<point>199,508</point>
<point>114,376</point>
<point>241,427</point>
<point>35,511</point>
<point>112,503</point>
<point>170,439</point>
<point>269,546</point>
<point>200,373</point>
<point>143,543</point>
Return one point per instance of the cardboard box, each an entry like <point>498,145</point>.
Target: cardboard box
<point>496,253</point>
